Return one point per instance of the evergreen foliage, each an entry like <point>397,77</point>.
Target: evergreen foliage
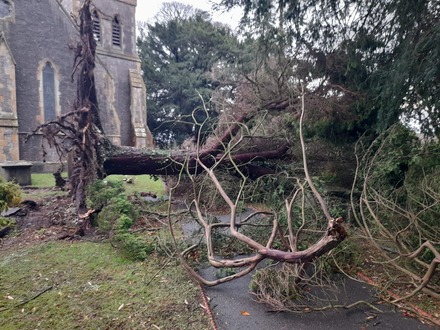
<point>403,176</point>
<point>382,58</point>
<point>179,53</point>
<point>10,194</point>
<point>116,216</point>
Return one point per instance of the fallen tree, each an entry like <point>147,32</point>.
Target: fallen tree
<point>79,134</point>
<point>399,213</point>
<point>290,251</point>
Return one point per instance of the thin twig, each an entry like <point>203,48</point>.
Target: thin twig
<point>161,268</point>
<point>27,300</point>
<point>349,306</point>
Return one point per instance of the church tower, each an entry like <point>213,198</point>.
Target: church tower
<point>120,87</point>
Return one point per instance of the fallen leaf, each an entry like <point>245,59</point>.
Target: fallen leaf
<point>406,314</point>
<point>244,313</point>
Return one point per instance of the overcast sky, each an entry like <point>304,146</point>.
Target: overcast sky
<point>147,9</point>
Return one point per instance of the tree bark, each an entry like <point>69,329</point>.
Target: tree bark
<point>131,161</point>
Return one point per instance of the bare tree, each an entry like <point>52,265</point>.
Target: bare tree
<point>176,10</point>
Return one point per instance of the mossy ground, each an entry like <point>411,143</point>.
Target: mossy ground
<point>94,287</point>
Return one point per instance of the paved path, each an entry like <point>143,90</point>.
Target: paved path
<point>228,300</point>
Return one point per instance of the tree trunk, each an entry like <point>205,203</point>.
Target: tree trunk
<point>131,161</point>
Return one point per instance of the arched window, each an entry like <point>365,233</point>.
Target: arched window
<point>49,92</point>
<point>116,31</point>
<point>96,26</point>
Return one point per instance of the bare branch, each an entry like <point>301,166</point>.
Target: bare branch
<point>332,236</point>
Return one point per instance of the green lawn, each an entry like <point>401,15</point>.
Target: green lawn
<point>91,286</point>
<point>140,183</point>
<point>43,180</point>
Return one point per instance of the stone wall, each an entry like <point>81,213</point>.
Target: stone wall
<point>119,61</point>
<point>8,106</point>
<point>44,36</point>
<point>35,33</point>
<point>138,95</point>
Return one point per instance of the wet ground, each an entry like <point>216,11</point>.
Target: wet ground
<point>234,308</point>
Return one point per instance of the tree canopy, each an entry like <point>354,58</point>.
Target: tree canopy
<point>178,53</point>
<point>381,56</point>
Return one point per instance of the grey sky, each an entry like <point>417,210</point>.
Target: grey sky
<point>147,9</point>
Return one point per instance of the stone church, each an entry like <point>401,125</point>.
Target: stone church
<point>36,63</point>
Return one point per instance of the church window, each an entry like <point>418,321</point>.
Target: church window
<point>5,8</point>
<point>96,26</point>
<point>49,92</point>
<point>116,31</point>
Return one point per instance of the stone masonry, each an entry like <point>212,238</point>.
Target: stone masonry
<point>36,60</point>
